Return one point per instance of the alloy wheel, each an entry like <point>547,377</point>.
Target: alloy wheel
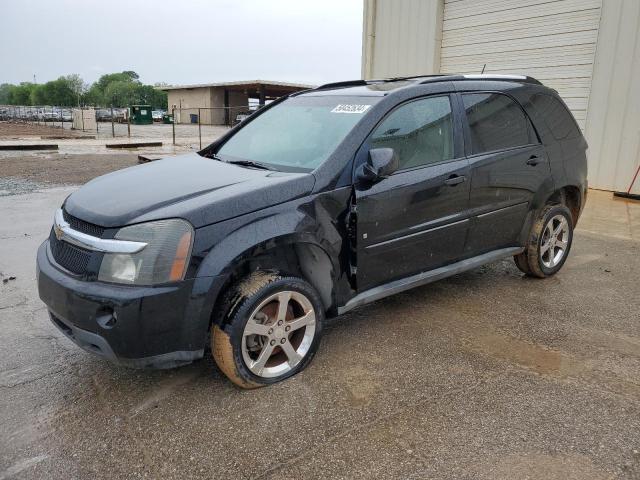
<point>278,334</point>
<point>555,241</point>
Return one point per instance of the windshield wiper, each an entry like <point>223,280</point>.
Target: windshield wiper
<point>250,163</point>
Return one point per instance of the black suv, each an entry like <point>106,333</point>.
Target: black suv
<point>323,201</point>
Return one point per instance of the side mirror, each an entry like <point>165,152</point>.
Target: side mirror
<point>381,163</point>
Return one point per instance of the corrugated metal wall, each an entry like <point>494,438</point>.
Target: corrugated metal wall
<point>401,38</point>
<point>554,42</point>
<point>613,120</point>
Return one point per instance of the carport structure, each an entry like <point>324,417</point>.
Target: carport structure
<point>220,103</point>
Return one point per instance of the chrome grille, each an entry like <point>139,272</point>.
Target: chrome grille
<point>82,226</point>
<point>70,257</point>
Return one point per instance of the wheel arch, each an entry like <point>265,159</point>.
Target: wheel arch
<point>570,196</point>
<point>293,255</point>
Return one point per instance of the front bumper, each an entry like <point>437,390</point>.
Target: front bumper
<point>161,327</point>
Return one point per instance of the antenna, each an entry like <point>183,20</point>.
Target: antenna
<point>485,66</point>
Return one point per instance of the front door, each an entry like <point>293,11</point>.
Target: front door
<point>416,219</point>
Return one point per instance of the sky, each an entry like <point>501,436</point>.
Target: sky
<point>182,41</point>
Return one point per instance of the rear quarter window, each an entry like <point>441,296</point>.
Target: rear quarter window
<point>557,117</point>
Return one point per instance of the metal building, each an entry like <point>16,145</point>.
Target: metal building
<point>588,50</point>
<point>220,103</point>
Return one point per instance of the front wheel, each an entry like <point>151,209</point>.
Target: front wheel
<point>549,242</point>
<point>271,332</point>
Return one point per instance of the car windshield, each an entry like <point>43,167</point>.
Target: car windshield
<point>297,135</point>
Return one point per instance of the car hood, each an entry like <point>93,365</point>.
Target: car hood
<point>200,190</point>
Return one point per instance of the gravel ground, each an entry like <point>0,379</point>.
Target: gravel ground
<point>19,130</point>
<point>486,375</point>
<point>27,173</point>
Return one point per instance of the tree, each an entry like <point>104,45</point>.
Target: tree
<point>38,95</point>
<point>101,93</point>
<point>119,93</point>
<point>117,89</point>
<point>65,92</point>
<point>132,75</point>
<point>21,94</point>
<point>148,95</point>
<point>76,84</point>
<point>5,93</point>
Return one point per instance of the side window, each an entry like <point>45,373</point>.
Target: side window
<point>421,132</point>
<point>496,122</point>
<point>555,114</point>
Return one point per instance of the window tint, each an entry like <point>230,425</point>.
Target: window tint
<point>496,122</point>
<point>555,114</point>
<point>421,132</point>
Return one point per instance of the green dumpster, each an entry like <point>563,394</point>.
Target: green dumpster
<point>167,118</point>
<point>141,114</point>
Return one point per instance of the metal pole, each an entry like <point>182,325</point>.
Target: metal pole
<point>199,129</point>
<point>82,115</point>
<point>95,113</point>
<point>129,122</point>
<point>113,128</point>
<point>61,120</point>
<point>173,124</point>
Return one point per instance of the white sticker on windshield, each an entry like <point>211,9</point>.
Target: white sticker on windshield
<point>350,109</point>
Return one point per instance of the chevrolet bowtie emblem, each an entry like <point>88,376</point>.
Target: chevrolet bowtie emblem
<point>58,231</point>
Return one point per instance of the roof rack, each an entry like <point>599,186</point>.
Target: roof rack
<point>484,76</point>
<point>425,79</point>
<point>412,77</point>
<point>347,83</point>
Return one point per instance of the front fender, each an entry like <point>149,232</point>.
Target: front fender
<point>317,221</point>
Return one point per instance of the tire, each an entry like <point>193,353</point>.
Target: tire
<point>259,342</point>
<point>549,243</point>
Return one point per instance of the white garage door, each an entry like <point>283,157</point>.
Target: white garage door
<point>553,41</point>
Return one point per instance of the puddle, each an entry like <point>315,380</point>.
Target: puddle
<point>539,359</point>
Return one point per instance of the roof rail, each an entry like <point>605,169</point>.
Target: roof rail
<point>484,76</point>
<point>347,83</point>
<point>411,77</point>
<point>425,79</point>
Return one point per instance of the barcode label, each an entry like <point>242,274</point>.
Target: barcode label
<point>350,109</point>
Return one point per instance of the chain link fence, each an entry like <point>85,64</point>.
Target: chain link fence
<point>204,120</point>
<point>194,127</point>
<point>90,119</point>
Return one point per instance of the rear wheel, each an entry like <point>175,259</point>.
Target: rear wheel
<point>271,332</point>
<point>549,243</point>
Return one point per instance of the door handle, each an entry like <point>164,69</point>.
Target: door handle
<point>534,160</point>
<point>455,180</point>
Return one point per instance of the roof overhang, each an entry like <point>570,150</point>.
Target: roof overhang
<point>242,85</point>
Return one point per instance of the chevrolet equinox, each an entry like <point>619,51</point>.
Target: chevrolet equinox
<point>322,201</point>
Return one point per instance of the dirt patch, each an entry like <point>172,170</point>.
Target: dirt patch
<point>18,130</point>
<point>62,169</point>
<point>540,359</point>
<point>543,467</point>
<point>361,386</point>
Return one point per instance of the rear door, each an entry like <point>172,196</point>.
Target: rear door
<point>416,219</point>
<point>507,164</point>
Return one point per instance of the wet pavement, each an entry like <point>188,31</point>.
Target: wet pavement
<point>486,375</point>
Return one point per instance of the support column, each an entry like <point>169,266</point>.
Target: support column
<point>226,107</point>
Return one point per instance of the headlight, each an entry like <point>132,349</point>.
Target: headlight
<point>164,259</point>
